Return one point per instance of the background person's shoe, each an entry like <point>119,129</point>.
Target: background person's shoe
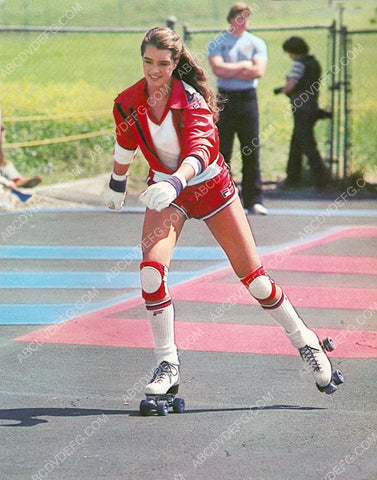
<point>257,209</point>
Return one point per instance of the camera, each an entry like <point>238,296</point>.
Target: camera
<point>321,113</point>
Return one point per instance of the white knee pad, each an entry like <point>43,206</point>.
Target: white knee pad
<point>260,285</point>
<point>153,277</point>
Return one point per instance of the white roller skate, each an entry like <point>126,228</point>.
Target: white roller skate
<point>161,391</point>
<point>312,351</point>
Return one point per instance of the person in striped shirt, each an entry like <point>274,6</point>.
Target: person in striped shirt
<point>302,87</point>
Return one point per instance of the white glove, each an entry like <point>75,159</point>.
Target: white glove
<point>115,195</point>
<point>161,194</point>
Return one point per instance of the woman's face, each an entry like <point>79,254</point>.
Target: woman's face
<point>158,67</point>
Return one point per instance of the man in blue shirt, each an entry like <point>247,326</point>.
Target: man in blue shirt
<point>238,59</point>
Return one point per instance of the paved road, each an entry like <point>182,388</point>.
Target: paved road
<point>75,349</point>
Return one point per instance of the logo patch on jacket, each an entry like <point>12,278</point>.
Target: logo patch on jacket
<point>192,99</point>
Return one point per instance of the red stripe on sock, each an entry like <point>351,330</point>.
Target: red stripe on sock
<point>158,306</point>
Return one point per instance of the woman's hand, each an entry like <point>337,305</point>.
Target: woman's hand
<point>115,195</point>
<point>161,194</point>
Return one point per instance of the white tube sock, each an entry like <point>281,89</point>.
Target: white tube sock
<point>287,316</point>
<point>162,325</point>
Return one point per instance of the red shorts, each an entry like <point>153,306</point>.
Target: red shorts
<point>203,200</point>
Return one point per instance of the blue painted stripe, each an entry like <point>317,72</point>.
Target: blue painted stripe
<point>46,314</point>
<point>66,253</point>
<point>83,280</point>
<point>50,314</point>
<point>35,314</point>
<point>103,253</point>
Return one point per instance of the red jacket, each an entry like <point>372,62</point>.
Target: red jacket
<point>192,120</point>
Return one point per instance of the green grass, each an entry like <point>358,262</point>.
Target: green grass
<point>133,13</point>
<point>81,73</point>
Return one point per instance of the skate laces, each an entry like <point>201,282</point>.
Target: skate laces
<point>164,369</point>
<point>308,355</point>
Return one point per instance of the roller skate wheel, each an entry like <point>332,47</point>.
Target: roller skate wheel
<point>163,408</point>
<point>331,388</point>
<point>337,377</point>
<point>328,344</point>
<point>178,405</point>
<point>146,406</point>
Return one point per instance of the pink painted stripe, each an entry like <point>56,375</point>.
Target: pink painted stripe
<point>326,264</point>
<point>349,232</point>
<point>301,296</point>
<point>96,328</point>
<point>360,231</point>
<point>209,337</point>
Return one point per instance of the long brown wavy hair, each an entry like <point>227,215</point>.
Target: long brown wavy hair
<point>188,68</point>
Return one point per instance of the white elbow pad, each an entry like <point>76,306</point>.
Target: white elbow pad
<point>194,162</point>
<point>122,155</point>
